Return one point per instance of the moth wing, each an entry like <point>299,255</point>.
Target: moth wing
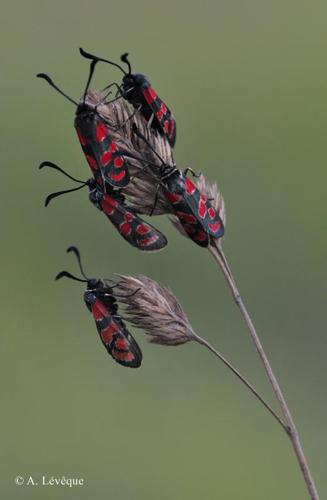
<point>131,227</point>
<point>102,153</point>
<point>162,113</point>
<point>201,208</point>
<point>114,335</point>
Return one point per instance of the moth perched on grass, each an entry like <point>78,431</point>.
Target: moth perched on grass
<point>130,226</point>
<point>102,303</point>
<point>196,214</point>
<point>137,90</point>
<point>104,156</point>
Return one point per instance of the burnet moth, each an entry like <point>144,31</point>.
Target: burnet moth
<point>104,156</point>
<point>137,90</point>
<point>196,214</point>
<point>101,302</point>
<point>130,226</point>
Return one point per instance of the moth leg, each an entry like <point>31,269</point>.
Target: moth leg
<point>129,118</point>
<point>188,169</point>
<point>155,201</point>
<point>108,92</point>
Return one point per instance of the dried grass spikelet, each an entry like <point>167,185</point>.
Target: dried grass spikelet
<point>154,309</point>
<point>211,191</point>
<point>141,191</point>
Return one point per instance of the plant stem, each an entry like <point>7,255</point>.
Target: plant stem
<point>205,343</point>
<point>291,429</point>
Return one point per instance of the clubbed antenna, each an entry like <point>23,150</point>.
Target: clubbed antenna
<point>51,196</point>
<point>52,84</point>
<point>75,251</point>
<point>59,193</point>
<point>126,61</point>
<point>91,71</point>
<point>87,55</point>
<point>66,274</point>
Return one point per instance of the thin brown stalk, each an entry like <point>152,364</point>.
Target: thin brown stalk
<point>291,429</point>
<point>205,343</point>
<point>155,309</point>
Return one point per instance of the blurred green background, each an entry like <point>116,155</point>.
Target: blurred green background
<point>247,83</point>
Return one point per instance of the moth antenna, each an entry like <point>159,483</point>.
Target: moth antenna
<point>92,67</point>
<point>59,193</point>
<point>52,84</point>
<point>66,274</point>
<point>87,55</point>
<point>75,251</point>
<point>124,58</point>
<point>56,167</point>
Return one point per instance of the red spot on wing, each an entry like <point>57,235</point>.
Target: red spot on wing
<point>91,161</point>
<point>162,111</point>
<point>101,132</point>
<point>211,212</point>
<point>194,234</point>
<point>202,209</point>
<point>128,216</point>
<point>143,229</point>
<point>109,204</point>
<point>166,126</point>
<point>108,332</point>
<point>81,138</point>
<point>184,217</point>
<point>172,197</point>
<point>189,186</point>
<point>118,162</point>
<point>99,310</point>
<point>122,343</point>
<point>214,227</point>
<point>150,95</point>
<point>148,241</point>
<point>106,158</point>
<point>125,228</point>
<point>200,236</point>
<point>122,356</point>
<point>117,177</point>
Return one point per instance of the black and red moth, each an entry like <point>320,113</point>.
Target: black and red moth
<point>105,158</point>
<point>137,90</point>
<point>130,226</point>
<point>102,153</point>
<point>101,302</point>
<point>196,214</point>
